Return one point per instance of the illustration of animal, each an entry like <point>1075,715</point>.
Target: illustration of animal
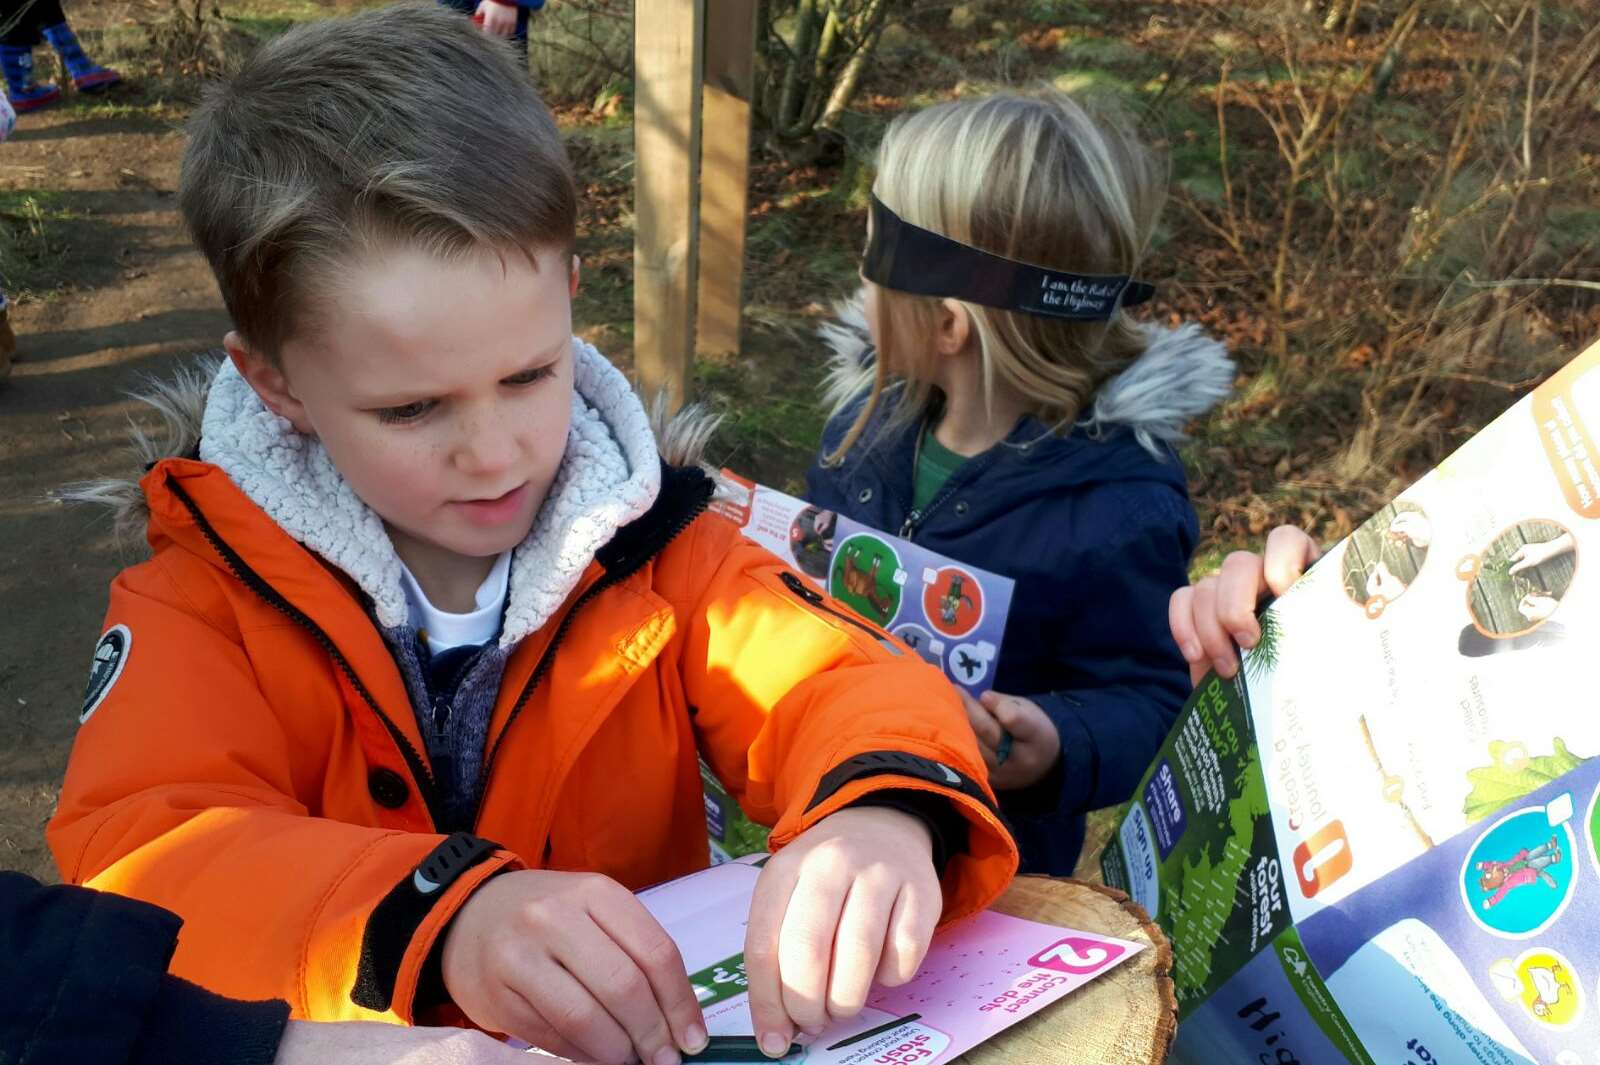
<point>863,583</point>
<point>1549,982</point>
<point>968,664</point>
<point>951,601</point>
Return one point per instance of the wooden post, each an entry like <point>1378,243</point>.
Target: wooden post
<point>728,82</point>
<point>666,50</point>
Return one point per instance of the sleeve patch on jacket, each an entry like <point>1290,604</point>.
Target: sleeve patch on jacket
<point>110,655</point>
<point>897,763</point>
<point>398,915</point>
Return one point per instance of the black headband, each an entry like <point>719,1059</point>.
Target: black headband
<point>908,258</point>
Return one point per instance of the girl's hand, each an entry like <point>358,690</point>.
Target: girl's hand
<point>1530,555</point>
<point>853,899</point>
<point>572,963</point>
<point>1208,618</point>
<point>1033,749</point>
<point>498,19</point>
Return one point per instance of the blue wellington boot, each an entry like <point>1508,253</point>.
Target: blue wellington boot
<point>87,76</point>
<point>24,93</point>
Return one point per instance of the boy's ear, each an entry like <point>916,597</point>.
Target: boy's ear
<point>572,290</point>
<point>954,329</point>
<point>268,380</point>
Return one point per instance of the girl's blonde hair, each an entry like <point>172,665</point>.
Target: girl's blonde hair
<point>1036,178</point>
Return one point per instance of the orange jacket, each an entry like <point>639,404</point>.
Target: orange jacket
<point>254,763</point>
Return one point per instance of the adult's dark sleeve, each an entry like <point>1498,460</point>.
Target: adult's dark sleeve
<point>84,980</point>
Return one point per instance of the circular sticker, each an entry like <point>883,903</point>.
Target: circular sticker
<point>867,576</point>
<point>920,640</point>
<point>1543,983</point>
<point>1592,823</point>
<point>1519,876</point>
<point>811,541</point>
<point>953,600</point>
<point>1384,556</point>
<point>969,662</point>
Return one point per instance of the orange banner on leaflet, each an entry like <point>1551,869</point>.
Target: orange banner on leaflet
<point>1568,444</point>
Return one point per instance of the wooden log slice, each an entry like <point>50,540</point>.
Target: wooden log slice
<point>1127,1017</point>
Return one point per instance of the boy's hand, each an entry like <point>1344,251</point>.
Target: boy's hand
<point>498,19</point>
<point>1033,749</point>
<point>1208,618</point>
<point>572,963</point>
<point>853,899</point>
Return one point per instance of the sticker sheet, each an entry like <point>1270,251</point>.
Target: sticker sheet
<point>951,614</point>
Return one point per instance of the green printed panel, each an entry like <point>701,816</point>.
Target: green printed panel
<point>1314,995</point>
<point>1197,848</point>
<point>732,834</point>
<point>721,981</point>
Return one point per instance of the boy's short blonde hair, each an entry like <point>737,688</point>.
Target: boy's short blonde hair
<point>403,125</point>
<point>1037,178</point>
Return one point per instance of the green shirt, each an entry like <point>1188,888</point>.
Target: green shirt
<point>935,464</point>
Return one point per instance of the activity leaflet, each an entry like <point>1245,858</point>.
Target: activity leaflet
<point>980,976</point>
<point>1380,843</point>
<point>951,614</point>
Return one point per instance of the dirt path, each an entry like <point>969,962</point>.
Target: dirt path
<point>139,299</point>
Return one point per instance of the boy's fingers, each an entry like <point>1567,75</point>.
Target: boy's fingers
<point>636,932</point>
<point>805,944</point>
<point>1289,551</point>
<point>858,946</point>
<point>573,1014</point>
<point>1239,588</point>
<point>620,985</point>
<point>774,889</point>
<point>911,924</point>
<point>1217,643</point>
<point>541,1033</point>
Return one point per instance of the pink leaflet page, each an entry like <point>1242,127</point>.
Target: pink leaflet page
<point>979,978</point>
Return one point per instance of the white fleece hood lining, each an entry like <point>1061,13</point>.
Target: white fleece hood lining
<point>609,476</point>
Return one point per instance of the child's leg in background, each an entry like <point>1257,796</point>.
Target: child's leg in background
<point>24,24</point>
<point>86,74</point>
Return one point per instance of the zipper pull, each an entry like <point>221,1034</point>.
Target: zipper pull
<point>799,587</point>
<point>910,525</point>
<point>441,715</point>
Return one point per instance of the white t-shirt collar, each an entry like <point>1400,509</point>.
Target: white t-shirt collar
<point>442,630</point>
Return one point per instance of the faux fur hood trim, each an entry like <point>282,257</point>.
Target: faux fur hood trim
<point>1182,374</point>
<point>208,407</point>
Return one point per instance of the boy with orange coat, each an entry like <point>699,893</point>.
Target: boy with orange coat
<point>423,581</point>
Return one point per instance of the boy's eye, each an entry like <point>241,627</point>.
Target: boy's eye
<point>528,377</point>
<point>409,412</point>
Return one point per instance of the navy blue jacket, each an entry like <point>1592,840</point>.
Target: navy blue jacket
<point>1097,532</point>
<point>85,982</point>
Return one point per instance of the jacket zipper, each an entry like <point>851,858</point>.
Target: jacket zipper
<point>808,594</point>
<point>610,578</point>
<point>247,576</point>
<point>916,517</point>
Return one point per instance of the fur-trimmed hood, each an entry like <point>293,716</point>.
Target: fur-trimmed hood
<point>208,410</point>
<point>1182,374</point>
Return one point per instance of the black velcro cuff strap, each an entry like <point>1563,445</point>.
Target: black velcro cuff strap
<point>901,764</point>
<point>398,915</point>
